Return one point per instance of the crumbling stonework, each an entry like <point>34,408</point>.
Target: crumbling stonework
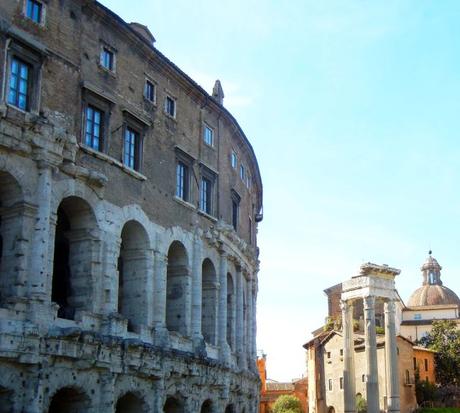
<point>124,286</point>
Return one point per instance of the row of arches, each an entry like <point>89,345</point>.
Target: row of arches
<point>77,255</point>
<point>74,400</point>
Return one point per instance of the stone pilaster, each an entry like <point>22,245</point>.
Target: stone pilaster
<point>249,325</point>
<point>391,355</point>
<point>349,385</point>
<point>43,238</point>
<point>239,333</point>
<point>222,309</point>
<point>160,266</point>
<point>372,383</point>
<point>197,284</point>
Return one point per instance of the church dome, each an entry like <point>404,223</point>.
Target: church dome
<point>432,295</point>
<point>432,292</point>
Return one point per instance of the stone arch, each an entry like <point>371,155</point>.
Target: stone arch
<point>331,409</point>
<point>209,297</point>
<point>130,403</point>
<point>6,400</point>
<point>230,408</point>
<point>231,306</point>
<point>173,405</point>
<point>11,196</point>
<point>134,267</point>
<point>69,400</point>
<point>207,406</point>
<point>177,289</point>
<point>76,254</point>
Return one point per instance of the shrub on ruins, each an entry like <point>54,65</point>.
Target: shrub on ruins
<point>361,404</point>
<point>287,404</point>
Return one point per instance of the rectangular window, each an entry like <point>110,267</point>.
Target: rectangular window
<point>242,173</point>
<point>107,59</point>
<point>234,160</point>
<point>208,136</point>
<point>415,363</point>
<point>426,364</point>
<point>248,180</point>
<point>149,91</point>
<point>34,11</point>
<point>182,181</point>
<point>19,84</point>
<point>328,354</point>
<point>206,195</point>
<point>93,128</point>
<point>235,210</point>
<point>170,106</point>
<point>330,384</point>
<point>417,316</point>
<point>250,231</point>
<point>341,383</point>
<point>131,148</point>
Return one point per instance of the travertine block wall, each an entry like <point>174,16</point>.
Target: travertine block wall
<point>116,295</point>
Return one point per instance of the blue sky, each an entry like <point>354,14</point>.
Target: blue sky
<point>353,111</point>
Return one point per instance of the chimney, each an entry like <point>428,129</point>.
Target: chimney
<point>218,93</point>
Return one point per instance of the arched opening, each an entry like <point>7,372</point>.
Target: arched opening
<point>173,405</point>
<point>6,400</point>
<point>10,230</point>
<point>230,409</point>
<point>230,311</point>
<point>209,301</point>
<point>69,400</point>
<point>133,269</point>
<point>331,409</point>
<point>130,403</point>
<point>177,286</point>
<point>206,407</point>
<point>75,255</point>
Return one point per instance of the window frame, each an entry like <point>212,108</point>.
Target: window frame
<point>133,126</point>
<point>187,161</point>
<point>233,159</point>
<point>206,128</point>
<point>165,108</point>
<point>34,59</point>
<point>236,200</point>
<point>105,48</point>
<point>42,12</point>
<point>208,175</point>
<point>148,82</point>
<point>243,173</point>
<point>90,98</point>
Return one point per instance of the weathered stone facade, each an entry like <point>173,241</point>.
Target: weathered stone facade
<point>129,202</point>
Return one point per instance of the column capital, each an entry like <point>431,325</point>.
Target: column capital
<point>369,302</point>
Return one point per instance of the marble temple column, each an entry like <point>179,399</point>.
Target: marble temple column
<point>349,386</point>
<point>391,355</point>
<point>372,383</point>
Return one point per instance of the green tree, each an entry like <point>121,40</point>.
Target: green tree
<point>361,404</point>
<point>444,338</point>
<point>287,404</point>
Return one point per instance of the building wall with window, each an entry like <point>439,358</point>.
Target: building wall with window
<point>128,282</point>
<point>325,372</point>
<point>424,364</point>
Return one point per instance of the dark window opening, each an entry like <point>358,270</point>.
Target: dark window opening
<point>426,364</point>
<point>170,106</point>
<point>61,272</point>
<point>206,195</point>
<point>149,91</point>
<point>182,181</point>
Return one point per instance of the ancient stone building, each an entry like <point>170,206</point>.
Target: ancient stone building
<point>129,203</point>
